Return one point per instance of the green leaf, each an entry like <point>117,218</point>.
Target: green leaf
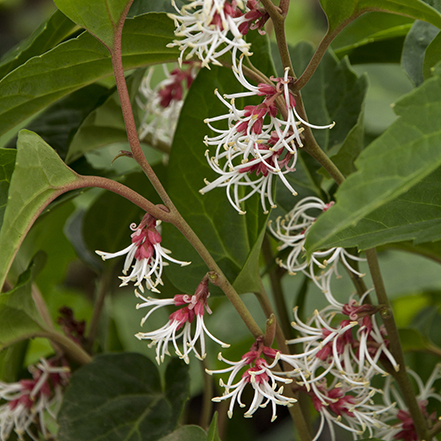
<point>432,57</point>
<point>413,340</point>
<point>78,62</point>
<point>7,163</point>
<point>340,13</point>
<point>11,361</point>
<point>143,6</point>
<point>414,215</point>
<point>104,125</point>
<point>117,397</point>
<point>227,235</point>
<point>177,386</point>
<point>38,177</point>
<point>351,148</point>
<point>47,235</point>
<point>248,278</point>
<point>262,59</point>
<point>100,18</point>
<point>393,164</point>
<point>431,250</point>
<point>49,34</point>
<point>59,123</point>
<point>334,93</point>
<point>186,433</point>
<point>373,37</point>
<point>415,45</point>
<point>18,314</point>
<point>213,433</point>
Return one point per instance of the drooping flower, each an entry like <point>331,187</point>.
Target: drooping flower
<point>343,341</point>
<point>351,408</point>
<point>148,254</point>
<point>257,145</point>
<point>259,373</point>
<point>162,104</point>
<point>210,28</point>
<point>401,425</point>
<point>30,403</point>
<point>292,231</point>
<point>180,324</point>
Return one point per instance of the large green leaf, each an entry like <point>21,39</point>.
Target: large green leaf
<point>352,146</point>
<point>47,235</point>
<point>186,433</point>
<point>18,314</point>
<point>432,56</point>
<point>413,340</point>
<point>414,49</point>
<point>104,125</point>
<point>373,37</point>
<point>7,163</point>
<point>392,165</point>
<point>38,177</point>
<point>341,12</point>
<point>78,62</point>
<point>177,387</point>
<point>48,35</point>
<point>118,397</point>
<point>143,6</point>
<point>11,361</point>
<point>58,123</point>
<point>100,17</point>
<point>414,215</point>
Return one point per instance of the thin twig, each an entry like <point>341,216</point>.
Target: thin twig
<point>207,404</point>
<point>103,289</point>
<point>70,348</point>
<point>276,285</point>
<point>401,376</point>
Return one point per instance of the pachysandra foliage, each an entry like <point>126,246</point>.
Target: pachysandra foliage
<point>245,177</point>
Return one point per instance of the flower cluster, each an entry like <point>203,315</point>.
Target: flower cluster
<point>162,104</point>
<point>259,373</point>
<point>342,346</point>
<point>340,349</point>
<point>148,254</point>
<point>351,408</point>
<point>255,141</point>
<point>180,324</point>
<point>31,402</point>
<point>211,28</point>
<point>400,423</point>
<point>292,231</point>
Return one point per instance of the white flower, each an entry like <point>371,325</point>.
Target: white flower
<point>348,407</point>
<point>148,253</point>
<point>261,377</point>
<point>209,29</point>
<point>180,324</point>
<point>401,423</point>
<point>292,231</point>
<point>255,141</point>
<point>31,402</point>
<point>162,104</point>
<point>348,349</point>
